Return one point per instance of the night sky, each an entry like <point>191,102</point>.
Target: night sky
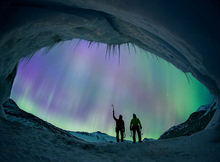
<point>74,88</point>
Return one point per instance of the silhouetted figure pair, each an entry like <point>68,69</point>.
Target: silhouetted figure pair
<point>135,126</point>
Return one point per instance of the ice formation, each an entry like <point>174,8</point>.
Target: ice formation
<point>184,33</point>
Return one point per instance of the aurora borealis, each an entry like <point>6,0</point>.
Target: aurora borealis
<point>74,88</point>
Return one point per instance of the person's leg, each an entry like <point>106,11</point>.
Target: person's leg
<point>117,134</point>
<point>139,134</point>
<point>122,135</point>
<point>134,132</point>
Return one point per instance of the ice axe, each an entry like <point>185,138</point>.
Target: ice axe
<point>113,107</point>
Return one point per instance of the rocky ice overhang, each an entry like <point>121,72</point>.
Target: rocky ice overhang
<point>184,33</point>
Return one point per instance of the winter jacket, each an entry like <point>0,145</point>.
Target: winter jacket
<point>135,122</point>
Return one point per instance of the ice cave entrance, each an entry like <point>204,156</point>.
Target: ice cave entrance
<point>73,87</point>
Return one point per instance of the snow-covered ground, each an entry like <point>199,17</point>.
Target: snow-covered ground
<point>24,137</point>
<point>23,143</point>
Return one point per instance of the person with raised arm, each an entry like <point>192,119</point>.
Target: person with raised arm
<point>120,126</point>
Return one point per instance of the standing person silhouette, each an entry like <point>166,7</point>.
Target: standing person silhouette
<point>135,125</point>
<point>120,126</point>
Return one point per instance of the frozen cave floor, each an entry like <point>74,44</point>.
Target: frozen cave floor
<point>22,143</point>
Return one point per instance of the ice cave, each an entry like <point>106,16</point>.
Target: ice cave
<point>183,33</point>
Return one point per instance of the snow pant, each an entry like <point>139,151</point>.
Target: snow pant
<point>136,128</point>
<point>117,134</point>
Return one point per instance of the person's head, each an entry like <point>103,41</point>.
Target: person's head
<point>134,116</point>
<point>120,117</point>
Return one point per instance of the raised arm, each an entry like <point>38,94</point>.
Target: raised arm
<point>114,115</point>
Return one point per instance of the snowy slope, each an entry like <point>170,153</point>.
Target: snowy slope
<point>197,121</point>
<point>16,115</point>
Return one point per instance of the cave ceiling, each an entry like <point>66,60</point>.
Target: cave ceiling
<point>183,33</point>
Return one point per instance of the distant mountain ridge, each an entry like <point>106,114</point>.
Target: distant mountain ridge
<point>196,122</point>
<point>95,137</point>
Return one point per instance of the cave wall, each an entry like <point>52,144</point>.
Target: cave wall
<point>183,33</point>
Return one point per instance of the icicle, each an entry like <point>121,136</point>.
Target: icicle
<point>90,44</point>
<point>119,53</point>
<point>113,49</point>
<point>107,50</point>
<point>128,48</point>
<point>119,49</point>
<point>76,44</point>
<point>147,55</point>
<point>97,45</point>
<point>27,59</point>
<point>158,59</point>
<point>187,77</point>
<point>135,51</point>
<point>110,49</point>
